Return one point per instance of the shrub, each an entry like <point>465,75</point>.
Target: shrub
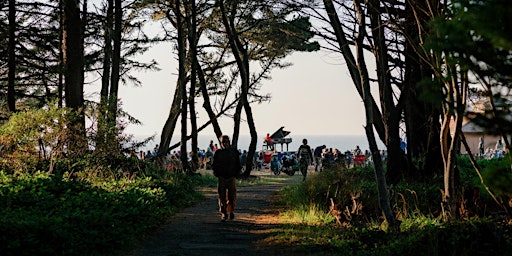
<point>44,214</point>
<point>33,135</point>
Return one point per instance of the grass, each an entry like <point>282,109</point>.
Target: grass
<point>307,227</point>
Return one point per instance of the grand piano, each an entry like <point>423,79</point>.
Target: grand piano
<point>278,137</point>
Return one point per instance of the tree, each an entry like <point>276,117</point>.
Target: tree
<point>470,45</point>
<point>259,32</point>
<point>359,73</point>
<point>394,46</point>
<point>32,80</point>
<point>477,33</point>
<point>420,116</point>
<point>263,43</point>
<point>113,55</point>
<point>74,70</point>
<point>11,98</point>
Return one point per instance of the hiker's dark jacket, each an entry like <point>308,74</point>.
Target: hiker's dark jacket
<point>226,163</point>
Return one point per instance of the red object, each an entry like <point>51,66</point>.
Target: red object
<point>267,156</point>
<point>358,159</point>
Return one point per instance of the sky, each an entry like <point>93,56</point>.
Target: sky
<point>314,96</point>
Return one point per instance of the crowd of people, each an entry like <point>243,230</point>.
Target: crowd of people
<point>488,152</point>
<point>321,157</point>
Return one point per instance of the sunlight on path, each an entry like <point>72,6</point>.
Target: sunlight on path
<point>197,230</point>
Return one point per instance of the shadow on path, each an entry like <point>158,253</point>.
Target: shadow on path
<point>197,230</point>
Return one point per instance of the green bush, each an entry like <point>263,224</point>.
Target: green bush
<point>44,214</point>
<point>32,135</point>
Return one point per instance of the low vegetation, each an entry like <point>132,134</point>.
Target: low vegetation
<point>88,212</point>
<point>336,213</point>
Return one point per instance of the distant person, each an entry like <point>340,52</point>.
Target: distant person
<point>268,138</point>
<point>481,146</point>
<point>209,155</point>
<point>357,151</point>
<point>403,145</point>
<point>211,147</point>
<point>498,150</point>
<point>155,150</point>
<point>202,156</point>
<point>349,158</point>
<point>499,145</point>
<point>226,167</point>
<point>384,155</point>
<point>305,158</point>
<point>269,142</point>
<point>318,156</point>
<point>243,158</point>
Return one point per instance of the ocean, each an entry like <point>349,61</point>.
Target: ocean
<point>341,142</point>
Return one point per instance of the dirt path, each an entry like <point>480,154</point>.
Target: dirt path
<point>198,230</point>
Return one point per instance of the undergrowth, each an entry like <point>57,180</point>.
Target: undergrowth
<point>358,227</point>
<point>88,212</point>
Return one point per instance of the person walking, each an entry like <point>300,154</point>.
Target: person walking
<point>318,157</point>
<point>226,167</point>
<point>481,146</point>
<point>305,158</point>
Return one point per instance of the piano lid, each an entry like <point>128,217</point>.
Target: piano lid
<point>279,134</point>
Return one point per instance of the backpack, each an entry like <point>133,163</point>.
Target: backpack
<point>304,155</point>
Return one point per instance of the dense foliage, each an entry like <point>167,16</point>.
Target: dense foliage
<point>86,213</point>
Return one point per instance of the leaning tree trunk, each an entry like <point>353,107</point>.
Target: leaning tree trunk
<point>384,202</point>
<point>237,117</point>
<point>206,101</point>
<point>250,119</point>
<point>395,155</point>
<point>242,60</point>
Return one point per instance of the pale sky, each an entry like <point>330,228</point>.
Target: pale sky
<point>314,96</point>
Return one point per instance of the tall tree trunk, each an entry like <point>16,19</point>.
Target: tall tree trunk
<point>384,202</point>
<point>421,118</point>
<point>61,54</point>
<point>191,24</point>
<point>182,73</point>
<point>105,78</point>
<point>74,72</point>
<point>11,97</point>
<point>242,60</point>
<point>116,71</point>
<point>391,114</point>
